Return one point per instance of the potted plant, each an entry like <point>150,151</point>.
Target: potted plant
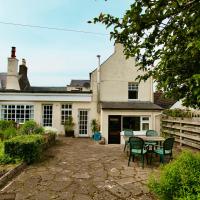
<point>94,126</point>
<point>69,127</point>
<point>95,130</point>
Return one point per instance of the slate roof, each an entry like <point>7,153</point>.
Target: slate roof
<point>3,80</point>
<point>47,89</point>
<point>55,90</point>
<point>135,105</point>
<point>80,83</point>
<point>163,102</point>
<point>35,89</point>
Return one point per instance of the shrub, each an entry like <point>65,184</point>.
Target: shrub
<point>25,147</point>
<point>178,113</point>
<point>4,158</point>
<point>95,127</point>
<point>179,180</point>
<point>49,138</point>
<point>31,127</point>
<point>69,124</point>
<point>9,133</point>
<point>6,124</point>
<point>48,129</point>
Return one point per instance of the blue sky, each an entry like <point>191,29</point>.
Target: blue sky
<point>55,57</point>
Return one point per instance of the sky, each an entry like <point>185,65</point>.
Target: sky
<point>55,57</point>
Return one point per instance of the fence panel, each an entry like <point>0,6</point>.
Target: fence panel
<point>186,131</point>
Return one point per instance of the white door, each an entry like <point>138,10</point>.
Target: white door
<point>83,123</point>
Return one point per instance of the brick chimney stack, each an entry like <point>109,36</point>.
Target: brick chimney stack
<point>13,51</point>
<point>23,78</point>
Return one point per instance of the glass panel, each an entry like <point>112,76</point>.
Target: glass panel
<point>17,113</point>
<point>145,126</point>
<point>145,118</point>
<point>47,115</point>
<point>66,111</point>
<point>132,123</point>
<point>132,90</point>
<point>83,122</point>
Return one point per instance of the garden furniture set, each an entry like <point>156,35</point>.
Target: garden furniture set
<point>149,144</point>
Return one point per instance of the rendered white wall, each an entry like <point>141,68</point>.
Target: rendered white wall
<point>153,124</point>
<point>115,73</point>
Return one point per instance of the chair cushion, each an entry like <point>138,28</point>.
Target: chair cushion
<point>160,151</point>
<point>138,151</point>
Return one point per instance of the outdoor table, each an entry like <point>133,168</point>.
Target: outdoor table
<point>147,138</point>
<point>151,138</point>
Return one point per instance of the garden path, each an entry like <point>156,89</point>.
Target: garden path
<point>81,169</point>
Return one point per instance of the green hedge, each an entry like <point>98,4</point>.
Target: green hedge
<point>4,124</point>
<point>49,139</point>
<point>25,147</point>
<point>8,133</point>
<point>4,158</point>
<point>179,180</point>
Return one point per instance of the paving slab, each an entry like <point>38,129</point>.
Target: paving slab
<point>81,169</point>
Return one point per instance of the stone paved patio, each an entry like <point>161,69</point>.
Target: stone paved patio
<point>80,169</point>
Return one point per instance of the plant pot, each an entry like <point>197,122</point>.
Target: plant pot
<point>69,133</point>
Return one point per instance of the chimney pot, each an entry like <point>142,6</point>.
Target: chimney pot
<point>13,52</point>
<point>23,61</point>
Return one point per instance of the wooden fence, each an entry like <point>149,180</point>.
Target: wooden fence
<point>186,131</point>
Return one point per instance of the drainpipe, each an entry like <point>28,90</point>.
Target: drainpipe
<point>98,84</point>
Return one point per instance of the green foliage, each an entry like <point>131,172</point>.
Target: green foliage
<point>4,158</point>
<point>49,138</point>
<point>94,125</point>
<point>8,133</point>
<point>69,124</point>
<point>164,37</point>
<point>4,124</point>
<point>25,147</point>
<point>31,127</point>
<point>179,180</point>
<point>178,113</point>
<point>49,132</point>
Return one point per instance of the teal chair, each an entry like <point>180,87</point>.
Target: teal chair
<point>137,149</point>
<point>166,149</point>
<point>151,133</point>
<point>128,133</point>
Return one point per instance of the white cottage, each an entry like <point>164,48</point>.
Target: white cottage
<point>112,96</point>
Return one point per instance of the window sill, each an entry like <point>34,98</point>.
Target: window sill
<point>133,99</point>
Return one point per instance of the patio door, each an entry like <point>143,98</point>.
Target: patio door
<point>114,129</point>
<point>83,123</point>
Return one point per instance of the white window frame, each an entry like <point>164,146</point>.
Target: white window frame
<point>133,86</point>
<point>47,116</point>
<point>81,128</point>
<point>66,111</point>
<point>17,112</point>
<point>144,121</point>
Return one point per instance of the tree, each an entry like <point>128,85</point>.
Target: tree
<point>164,37</point>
